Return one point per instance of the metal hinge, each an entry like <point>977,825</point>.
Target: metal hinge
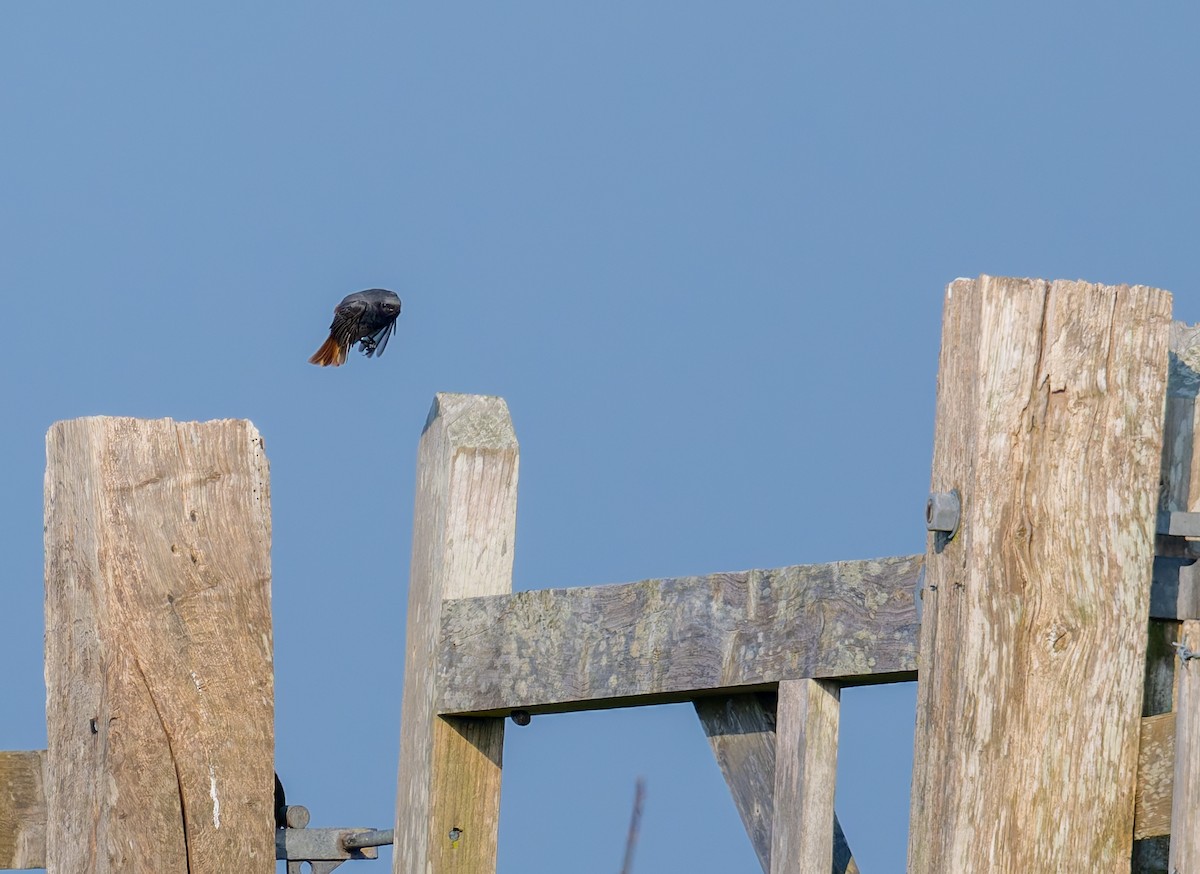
<point>321,849</point>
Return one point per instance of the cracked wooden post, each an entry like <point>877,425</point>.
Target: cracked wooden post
<point>159,684</point>
<point>464,524</point>
<point>1033,640</point>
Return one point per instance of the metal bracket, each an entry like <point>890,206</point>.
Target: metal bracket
<point>322,849</point>
<point>1179,524</point>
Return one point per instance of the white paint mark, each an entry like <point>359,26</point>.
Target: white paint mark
<point>196,682</point>
<point>212,782</point>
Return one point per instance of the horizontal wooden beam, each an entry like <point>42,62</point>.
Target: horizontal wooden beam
<point>669,640</point>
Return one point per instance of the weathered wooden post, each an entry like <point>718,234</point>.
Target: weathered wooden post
<point>1173,678</point>
<point>448,786</point>
<point>159,684</point>
<point>1033,640</point>
<point>806,735</point>
<point>1185,808</point>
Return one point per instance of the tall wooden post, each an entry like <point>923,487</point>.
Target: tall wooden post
<point>1049,421</point>
<point>1185,836</point>
<point>448,786</point>
<point>159,684</point>
<point>1174,672</point>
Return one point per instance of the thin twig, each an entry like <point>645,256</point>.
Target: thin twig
<point>635,821</point>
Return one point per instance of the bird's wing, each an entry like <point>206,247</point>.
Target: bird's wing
<point>347,316</point>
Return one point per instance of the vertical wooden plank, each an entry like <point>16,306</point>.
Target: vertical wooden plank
<point>159,684</point>
<point>1050,410</point>
<point>1156,772</point>
<point>1180,461</point>
<point>1185,801</point>
<point>741,731</point>
<point>806,741</point>
<point>22,809</point>
<point>464,528</point>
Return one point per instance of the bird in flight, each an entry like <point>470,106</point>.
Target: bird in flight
<point>367,318</point>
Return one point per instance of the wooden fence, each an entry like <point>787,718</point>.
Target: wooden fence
<point>1057,716</point>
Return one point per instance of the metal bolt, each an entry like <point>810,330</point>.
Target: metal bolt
<point>1185,652</point>
<point>455,834</point>
<point>297,816</point>
<point>369,838</point>
<point>520,717</point>
<point>943,512</point>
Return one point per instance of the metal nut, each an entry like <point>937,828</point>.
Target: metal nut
<point>943,512</point>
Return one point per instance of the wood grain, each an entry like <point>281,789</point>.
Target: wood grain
<point>741,731</point>
<point>464,529</point>
<point>667,640</point>
<point>22,809</point>
<point>1049,421</point>
<point>806,741</point>
<point>159,684</point>
<point>1155,774</point>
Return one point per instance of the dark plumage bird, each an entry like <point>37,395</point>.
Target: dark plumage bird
<point>280,805</point>
<point>367,318</point>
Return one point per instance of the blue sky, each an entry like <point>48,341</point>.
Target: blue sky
<point>700,249</point>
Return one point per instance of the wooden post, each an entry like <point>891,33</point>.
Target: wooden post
<point>159,685</point>
<point>1175,684</point>
<point>1033,640</point>
<point>1185,800</point>
<point>1172,600</point>
<point>806,732</point>
<point>464,524</point>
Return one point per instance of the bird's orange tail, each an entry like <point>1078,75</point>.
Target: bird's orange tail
<point>331,352</point>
